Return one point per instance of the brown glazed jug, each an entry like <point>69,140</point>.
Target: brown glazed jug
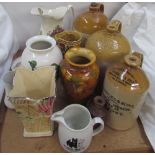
<point>91,21</point>
<point>109,45</point>
<point>125,89</point>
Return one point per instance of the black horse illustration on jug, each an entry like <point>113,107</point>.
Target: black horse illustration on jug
<point>72,143</point>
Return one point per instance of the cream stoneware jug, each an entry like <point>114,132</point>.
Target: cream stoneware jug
<point>75,129</point>
<point>125,88</point>
<point>52,19</point>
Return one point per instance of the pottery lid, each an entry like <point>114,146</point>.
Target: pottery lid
<point>128,75</point>
<point>91,21</point>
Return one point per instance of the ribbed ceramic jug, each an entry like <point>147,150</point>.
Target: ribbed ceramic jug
<point>125,89</point>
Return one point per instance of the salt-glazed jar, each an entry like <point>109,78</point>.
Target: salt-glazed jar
<point>91,21</point>
<point>79,73</point>
<point>125,89</point>
<point>109,45</point>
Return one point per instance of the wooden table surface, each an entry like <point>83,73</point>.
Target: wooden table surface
<point>12,140</point>
<point>109,140</point>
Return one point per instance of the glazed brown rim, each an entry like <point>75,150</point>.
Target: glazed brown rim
<point>78,51</point>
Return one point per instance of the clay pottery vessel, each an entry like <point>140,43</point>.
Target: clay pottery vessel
<point>109,45</point>
<point>91,21</point>
<point>52,18</point>
<point>125,89</point>
<point>40,49</point>
<point>68,39</point>
<point>79,73</point>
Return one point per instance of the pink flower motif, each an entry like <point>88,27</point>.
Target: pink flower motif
<point>47,107</point>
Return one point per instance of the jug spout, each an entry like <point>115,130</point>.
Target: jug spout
<point>58,116</point>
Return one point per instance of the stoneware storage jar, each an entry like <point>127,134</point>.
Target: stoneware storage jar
<point>91,21</point>
<point>109,45</point>
<point>125,88</point>
<point>79,73</point>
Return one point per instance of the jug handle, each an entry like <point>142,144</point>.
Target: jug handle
<point>16,63</point>
<point>100,128</point>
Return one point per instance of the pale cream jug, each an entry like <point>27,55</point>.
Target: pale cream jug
<point>75,129</point>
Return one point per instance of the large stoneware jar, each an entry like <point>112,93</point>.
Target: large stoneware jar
<point>125,89</point>
<point>79,73</point>
<point>109,45</point>
<point>91,21</point>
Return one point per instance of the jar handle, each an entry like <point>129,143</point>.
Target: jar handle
<point>101,7</point>
<point>114,26</point>
<point>96,7</point>
<point>100,128</point>
<point>140,56</point>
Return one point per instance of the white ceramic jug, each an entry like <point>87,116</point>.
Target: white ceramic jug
<point>52,19</point>
<point>76,127</point>
<point>42,49</point>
